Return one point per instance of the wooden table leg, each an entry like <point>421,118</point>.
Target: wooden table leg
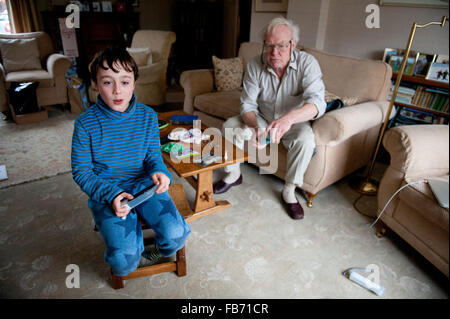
<point>205,203</point>
<point>205,196</point>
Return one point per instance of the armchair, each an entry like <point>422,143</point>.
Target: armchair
<point>52,87</point>
<point>345,138</point>
<point>417,152</point>
<point>151,85</point>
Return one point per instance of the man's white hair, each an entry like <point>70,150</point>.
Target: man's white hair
<point>283,21</point>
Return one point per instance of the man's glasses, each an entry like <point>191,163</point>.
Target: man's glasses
<point>281,47</point>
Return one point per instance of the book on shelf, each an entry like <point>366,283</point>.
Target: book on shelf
<point>417,96</point>
<point>445,107</point>
<point>412,116</point>
<point>404,94</point>
<point>440,120</point>
<point>429,98</point>
<point>416,116</point>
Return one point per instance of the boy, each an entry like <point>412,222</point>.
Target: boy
<point>116,153</point>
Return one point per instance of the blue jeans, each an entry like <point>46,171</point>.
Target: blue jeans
<point>124,239</point>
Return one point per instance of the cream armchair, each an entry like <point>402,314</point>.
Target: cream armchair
<point>151,84</point>
<point>345,138</point>
<point>52,87</point>
<point>417,152</point>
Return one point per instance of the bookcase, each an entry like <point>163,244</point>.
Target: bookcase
<point>97,31</point>
<point>198,25</point>
<point>420,101</point>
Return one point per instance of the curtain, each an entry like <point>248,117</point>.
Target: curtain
<point>23,15</point>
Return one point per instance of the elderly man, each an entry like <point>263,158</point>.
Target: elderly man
<point>282,92</point>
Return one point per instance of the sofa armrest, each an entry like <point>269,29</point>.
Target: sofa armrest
<point>195,82</point>
<point>418,150</point>
<point>58,64</point>
<point>338,125</point>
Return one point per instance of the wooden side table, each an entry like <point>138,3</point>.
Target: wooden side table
<point>201,177</point>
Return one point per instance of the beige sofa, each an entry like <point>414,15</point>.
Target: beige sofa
<point>52,87</point>
<point>345,138</point>
<point>417,152</point>
<point>151,85</point>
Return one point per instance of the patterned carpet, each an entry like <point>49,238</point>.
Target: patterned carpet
<point>36,150</point>
<point>252,250</point>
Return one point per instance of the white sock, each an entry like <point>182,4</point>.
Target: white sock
<point>233,175</point>
<point>289,193</point>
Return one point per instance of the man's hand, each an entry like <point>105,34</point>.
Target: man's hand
<point>278,128</point>
<point>120,210</point>
<point>259,135</point>
<point>162,181</point>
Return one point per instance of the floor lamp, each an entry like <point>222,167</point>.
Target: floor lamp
<point>365,184</point>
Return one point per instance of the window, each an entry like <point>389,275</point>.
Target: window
<point>5,27</point>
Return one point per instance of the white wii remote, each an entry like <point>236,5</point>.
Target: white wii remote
<point>364,282</point>
<point>367,283</point>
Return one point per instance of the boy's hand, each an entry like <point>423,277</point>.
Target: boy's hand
<point>120,210</point>
<point>162,181</point>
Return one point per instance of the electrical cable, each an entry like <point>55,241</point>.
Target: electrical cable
<point>390,199</point>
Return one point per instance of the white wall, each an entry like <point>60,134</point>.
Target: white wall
<point>338,27</point>
<point>259,20</point>
<point>348,35</point>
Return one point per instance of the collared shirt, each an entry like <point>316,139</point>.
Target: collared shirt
<point>265,94</point>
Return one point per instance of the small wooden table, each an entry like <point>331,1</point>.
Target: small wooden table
<point>205,203</point>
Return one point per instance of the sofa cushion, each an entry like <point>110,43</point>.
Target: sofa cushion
<point>20,54</point>
<point>142,56</point>
<point>222,104</point>
<point>228,73</point>
<point>421,197</point>
<point>348,101</point>
<point>43,77</point>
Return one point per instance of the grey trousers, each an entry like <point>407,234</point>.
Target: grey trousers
<point>299,141</point>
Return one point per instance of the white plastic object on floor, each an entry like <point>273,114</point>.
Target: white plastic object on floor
<point>353,275</point>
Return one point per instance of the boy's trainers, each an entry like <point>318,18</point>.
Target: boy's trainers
<point>150,257</point>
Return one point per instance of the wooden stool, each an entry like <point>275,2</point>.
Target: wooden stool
<point>176,191</point>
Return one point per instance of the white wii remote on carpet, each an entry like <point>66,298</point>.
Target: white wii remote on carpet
<point>364,282</point>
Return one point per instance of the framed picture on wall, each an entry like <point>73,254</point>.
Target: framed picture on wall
<point>271,5</point>
<point>415,3</point>
<point>438,72</point>
<point>84,5</point>
<point>96,6</point>
<point>423,63</point>
<point>106,6</point>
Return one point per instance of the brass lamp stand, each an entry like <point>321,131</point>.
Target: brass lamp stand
<point>366,185</point>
